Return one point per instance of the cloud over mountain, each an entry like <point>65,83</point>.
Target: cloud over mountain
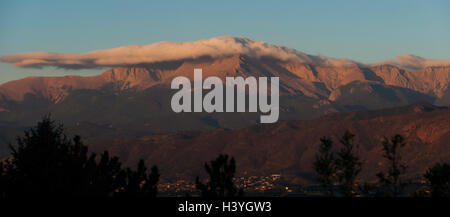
<point>415,62</point>
<point>166,51</point>
<point>172,51</point>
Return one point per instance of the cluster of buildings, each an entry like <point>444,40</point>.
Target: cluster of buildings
<point>271,185</point>
<point>178,188</point>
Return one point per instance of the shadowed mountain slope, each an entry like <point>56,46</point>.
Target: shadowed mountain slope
<point>289,147</point>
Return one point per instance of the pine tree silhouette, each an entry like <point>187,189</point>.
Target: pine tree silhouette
<point>438,178</point>
<point>391,180</point>
<point>220,184</point>
<point>341,167</point>
<point>138,183</point>
<point>106,176</point>
<point>348,165</point>
<point>46,162</point>
<point>325,166</point>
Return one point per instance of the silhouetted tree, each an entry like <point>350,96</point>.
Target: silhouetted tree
<point>367,189</point>
<point>391,180</point>
<point>46,162</point>
<point>325,167</point>
<point>348,165</point>
<point>106,176</point>
<point>220,184</point>
<point>438,178</point>
<point>139,183</point>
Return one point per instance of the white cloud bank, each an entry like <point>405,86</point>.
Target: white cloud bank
<point>172,51</point>
<point>409,61</point>
<point>165,51</point>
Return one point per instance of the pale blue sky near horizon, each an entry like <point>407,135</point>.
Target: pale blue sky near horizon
<point>365,31</point>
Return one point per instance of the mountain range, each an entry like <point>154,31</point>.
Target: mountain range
<point>127,108</point>
<point>289,147</point>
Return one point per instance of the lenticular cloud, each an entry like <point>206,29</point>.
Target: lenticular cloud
<point>415,62</point>
<point>164,51</point>
<point>172,51</point>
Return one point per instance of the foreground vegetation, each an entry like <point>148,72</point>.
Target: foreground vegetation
<point>337,171</point>
<point>46,162</point>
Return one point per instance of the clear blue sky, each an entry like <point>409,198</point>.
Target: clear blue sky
<point>365,31</point>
